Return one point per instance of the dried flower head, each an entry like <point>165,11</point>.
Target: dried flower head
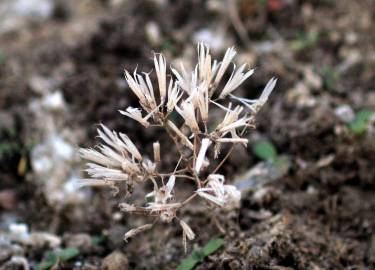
<point>193,95</point>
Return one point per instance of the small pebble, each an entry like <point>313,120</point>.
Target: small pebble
<point>6,251</point>
<point>16,262</point>
<point>345,113</point>
<point>81,241</point>
<point>153,34</point>
<point>115,261</point>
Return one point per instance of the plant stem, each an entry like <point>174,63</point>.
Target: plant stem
<point>228,154</point>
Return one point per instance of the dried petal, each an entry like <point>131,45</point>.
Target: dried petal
<point>156,147</point>
<point>202,153</point>
<point>134,232</point>
<point>187,230</point>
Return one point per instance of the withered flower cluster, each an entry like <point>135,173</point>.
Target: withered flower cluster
<point>191,94</point>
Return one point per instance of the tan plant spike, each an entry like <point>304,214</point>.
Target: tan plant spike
<point>190,96</point>
<point>156,147</point>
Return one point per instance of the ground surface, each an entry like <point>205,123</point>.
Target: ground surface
<point>319,215</point>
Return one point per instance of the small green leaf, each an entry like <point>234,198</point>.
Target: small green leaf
<point>97,239</point>
<point>359,125</point>
<point>264,150</point>
<point>199,255</point>
<point>53,257</point>
<point>330,77</point>
<point>67,254</point>
<point>187,264</point>
<point>212,246</point>
<point>45,265</point>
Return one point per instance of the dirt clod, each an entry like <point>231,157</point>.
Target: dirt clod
<point>115,261</point>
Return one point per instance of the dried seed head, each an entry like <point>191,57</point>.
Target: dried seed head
<point>136,114</point>
<point>201,155</point>
<point>156,147</point>
<point>255,104</point>
<point>235,80</point>
<point>119,141</point>
<point>149,166</point>
<point>135,87</point>
<point>203,101</point>
<point>222,195</point>
<point>98,171</point>
<point>143,89</point>
<point>134,232</point>
<point>187,111</point>
<point>204,63</point>
<point>164,194</point>
<point>117,160</point>
<point>188,231</point>
<point>228,57</point>
<point>236,124</point>
<point>183,80</point>
<point>174,95</point>
<point>161,73</point>
<point>94,183</point>
<point>114,161</point>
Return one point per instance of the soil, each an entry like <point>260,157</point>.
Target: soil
<point>320,215</point>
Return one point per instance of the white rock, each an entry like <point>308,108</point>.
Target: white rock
<point>15,13</point>
<point>71,190</point>
<point>19,232</point>
<point>345,113</point>
<point>61,148</point>
<point>215,39</point>
<point>54,101</point>
<point>41,164</point>
<point>35,8</point>
<point>153,33</point>
<point>17,261</point>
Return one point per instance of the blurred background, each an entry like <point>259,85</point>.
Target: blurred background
<point>61,74</point>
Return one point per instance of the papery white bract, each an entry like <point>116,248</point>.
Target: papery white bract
<point>222,195</point>
<point>202,153</point>
<point>136,114</point>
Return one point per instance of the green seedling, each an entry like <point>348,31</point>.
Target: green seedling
<point>265,150</point>
<point>53,257</point>
<point>199,255</point>
<point>330,77</point>
<point>359,124</point>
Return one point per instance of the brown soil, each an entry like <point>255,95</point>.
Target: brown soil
<point>321,217</point>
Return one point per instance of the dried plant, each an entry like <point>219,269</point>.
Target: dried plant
<point>193,95</point>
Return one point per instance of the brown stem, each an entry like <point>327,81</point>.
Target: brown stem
<point>228,154</point>
<point>178,146</point>
<point>172,173</point>
<point>188,199</point>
